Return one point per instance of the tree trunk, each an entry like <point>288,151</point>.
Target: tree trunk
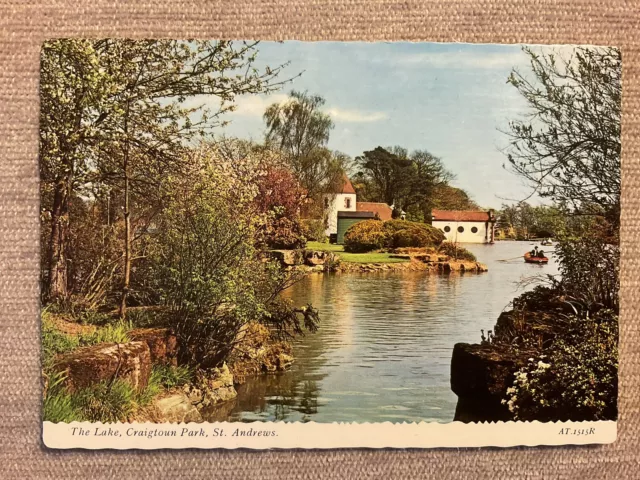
<point>127,223</point>
<point>57,260</point>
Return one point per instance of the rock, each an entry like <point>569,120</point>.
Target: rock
<point>287,258</point>
<point>480,376</point>
<point>104,362</point>
<point>317,257</point>
<point>175,407</point>
<point>481,267</point>
<point>162,342</point>
<point>211,387</point>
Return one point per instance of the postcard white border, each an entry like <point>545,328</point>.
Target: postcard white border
<point>120,436</point>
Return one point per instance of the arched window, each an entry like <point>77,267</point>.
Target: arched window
<point>460,229</point>
<point>447,229</point>
<point>347,202</point>
<point>474,229</point>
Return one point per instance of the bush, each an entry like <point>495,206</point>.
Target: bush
<point>460,253</point>
<point>371,235</point>
<point>313,230</point>
<point>115,333</point>
<point>575,379</point>
<point>169,376</point>
<point>365,236</point>
<point>284,233</point>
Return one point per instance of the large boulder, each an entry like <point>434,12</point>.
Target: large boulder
<point>86,366</point>
<point>162,342</point>
<point>175,407</point>
<point>317,257</point>
<point>480,376</point>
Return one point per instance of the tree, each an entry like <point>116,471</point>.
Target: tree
<point>301,131</point>
<point>568,147</point>
<point>407,181</point>
<point>113,113</point>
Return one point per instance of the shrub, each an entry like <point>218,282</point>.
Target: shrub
<point>455,251</point>
<point>115,333</point>
<point>169,376</point>
<point>365,236</point>
<point>411,237</point>
<point>54,342</point>
<point>575,379</point>
<point>284,233</point>
<point>417,234</point>
<point>313,230</point>
<point>106,402</point>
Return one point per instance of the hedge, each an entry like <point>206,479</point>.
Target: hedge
<point>371,235</point>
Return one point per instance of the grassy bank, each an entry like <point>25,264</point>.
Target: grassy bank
<point>373,257</point>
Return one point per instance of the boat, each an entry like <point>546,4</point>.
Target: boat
<point>539,260</point>
<point>546,243</point>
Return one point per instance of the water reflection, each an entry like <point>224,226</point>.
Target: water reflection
<point>384,346</point>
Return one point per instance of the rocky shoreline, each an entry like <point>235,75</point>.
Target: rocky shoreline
<point>256,353</point>
<point>313,261</point>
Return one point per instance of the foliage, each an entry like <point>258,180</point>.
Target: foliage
<point>371,235</point>
<point>569,146</point>
<point>106,402</point>
<point>299,129</point>
<point>206,265</point>
<point>58,405</point>
<point>412,234</point>
<point>365,236</point>
<point>457,252</point>
<point>54,342</point>
<point>115,122</point>
<point>406,180</point>
<point>590,272</point>
<point>113,333</point>
<point>313,230</point>
<point>283,233</point>
<point>575,379</point>
<point>170,376</point>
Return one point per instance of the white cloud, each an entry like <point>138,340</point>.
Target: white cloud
<point>355,116</point>
<point>463,60</point>
<point>255,105</point>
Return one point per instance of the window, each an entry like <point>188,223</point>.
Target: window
<point>347,202</point>
<point>474,229</point>
<point>447,229</point>
<point>460,229</point>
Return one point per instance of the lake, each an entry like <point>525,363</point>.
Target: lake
<point>383,349</point>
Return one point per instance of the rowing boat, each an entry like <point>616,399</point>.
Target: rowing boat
<point>539,260</point>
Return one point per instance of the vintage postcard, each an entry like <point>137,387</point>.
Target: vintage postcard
<point>328,244</point>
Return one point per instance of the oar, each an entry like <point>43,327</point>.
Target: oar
<point>508,259</point>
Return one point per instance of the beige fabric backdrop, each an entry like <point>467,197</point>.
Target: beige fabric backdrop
<point>23,26</point>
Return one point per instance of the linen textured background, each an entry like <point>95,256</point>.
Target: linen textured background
<point>23,27</point>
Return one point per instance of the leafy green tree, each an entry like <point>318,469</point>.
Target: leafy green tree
<point>568,147</point>
<point>114,115</point>
<point>300,129</point>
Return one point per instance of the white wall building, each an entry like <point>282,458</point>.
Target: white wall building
<point>344,200</point>
<point>460,226</point>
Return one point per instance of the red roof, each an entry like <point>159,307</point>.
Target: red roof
<point>381,209</point>
<point>346,186</point>
<point>460,216</point>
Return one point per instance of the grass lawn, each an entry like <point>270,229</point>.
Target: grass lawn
<point>354,257</point>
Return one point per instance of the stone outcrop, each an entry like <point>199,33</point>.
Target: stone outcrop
<point>211,387</point>
<point>162,342</point>
<point>258,352</point>
<point>175,407</point>
<point>288,258</point>
<point>86,366</point>
<point>480,376</point>
<point>317,257</point>
<point>461,266</point>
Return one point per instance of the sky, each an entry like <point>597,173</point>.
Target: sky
<point>449,99</point>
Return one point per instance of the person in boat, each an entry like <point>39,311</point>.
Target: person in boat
<point>534,252</point>
<point>540,253</point>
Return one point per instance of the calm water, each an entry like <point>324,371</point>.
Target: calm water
<point>383,350</point>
